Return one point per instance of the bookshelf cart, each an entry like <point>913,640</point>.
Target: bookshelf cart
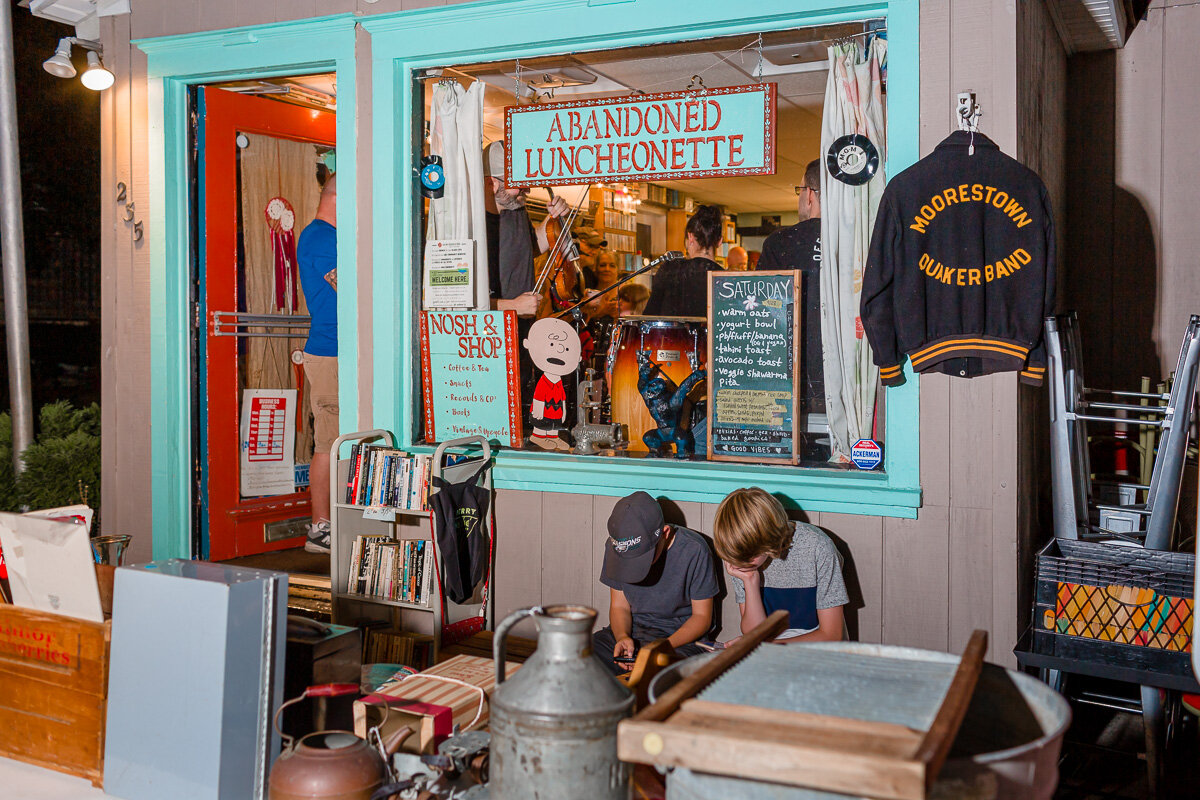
<point>348,521</point>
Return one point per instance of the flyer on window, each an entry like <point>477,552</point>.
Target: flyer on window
<point>449,273</point>
<point>268,442</point>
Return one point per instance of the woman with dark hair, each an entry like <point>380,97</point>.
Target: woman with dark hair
<point>680,288</point>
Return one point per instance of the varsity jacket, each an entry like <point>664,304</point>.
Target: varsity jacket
<point>960,271</point>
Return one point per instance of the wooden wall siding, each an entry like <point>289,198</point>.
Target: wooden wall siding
<point>1132,237</point>
<point>1179,290</point>
<point>1041,145</point>
<point>365,235</point>
<point>124,296</point>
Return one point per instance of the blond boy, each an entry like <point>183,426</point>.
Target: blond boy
<point>778,564</point>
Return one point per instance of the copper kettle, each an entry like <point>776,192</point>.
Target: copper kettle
<point>326,765</point>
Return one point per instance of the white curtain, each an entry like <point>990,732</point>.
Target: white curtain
<point>456,134</point>
<point>853,104</point>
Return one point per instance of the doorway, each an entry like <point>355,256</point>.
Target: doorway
<point>263,149</point>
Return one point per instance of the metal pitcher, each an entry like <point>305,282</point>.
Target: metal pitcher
<point>554,723</point>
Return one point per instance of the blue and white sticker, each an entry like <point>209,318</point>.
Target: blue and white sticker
<point>866,454</point>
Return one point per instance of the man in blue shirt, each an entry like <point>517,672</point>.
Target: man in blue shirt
<point>316,253</point>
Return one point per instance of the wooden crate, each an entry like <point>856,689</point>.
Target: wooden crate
<point>54,687</point>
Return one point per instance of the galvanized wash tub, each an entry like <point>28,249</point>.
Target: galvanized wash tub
<point>1006,749</point>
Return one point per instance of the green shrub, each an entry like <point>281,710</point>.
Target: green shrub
<point>64,457</point>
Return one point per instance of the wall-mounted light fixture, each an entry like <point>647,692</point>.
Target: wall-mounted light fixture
<point>96,77</point>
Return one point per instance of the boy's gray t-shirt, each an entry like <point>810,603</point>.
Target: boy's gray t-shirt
<point>663,601</point>
<point>808,580</point>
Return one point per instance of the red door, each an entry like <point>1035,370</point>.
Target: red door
<point>238,526</point>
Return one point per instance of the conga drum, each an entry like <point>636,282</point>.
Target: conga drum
<point>678,344</point>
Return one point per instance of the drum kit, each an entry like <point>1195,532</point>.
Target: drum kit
<point>677,345</point>
<point>611,412</point>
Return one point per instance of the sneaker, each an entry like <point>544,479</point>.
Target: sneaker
<point>318,538</point>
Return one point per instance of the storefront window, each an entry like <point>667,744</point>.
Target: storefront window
<point>642,385</point>
<point>621,54</point>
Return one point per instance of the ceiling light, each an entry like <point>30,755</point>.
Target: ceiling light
<point>96,77</point>
<point>59,65</point>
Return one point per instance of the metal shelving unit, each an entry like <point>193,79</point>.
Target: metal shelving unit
<point>348,520</point>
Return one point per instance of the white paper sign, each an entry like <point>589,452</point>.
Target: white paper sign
<point>50,562</point>
<point>268,442</point>
<point>450,273</point>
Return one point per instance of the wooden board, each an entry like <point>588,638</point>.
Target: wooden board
<point>753,362</point>
<point>53,690</point>
<point>839,753</point>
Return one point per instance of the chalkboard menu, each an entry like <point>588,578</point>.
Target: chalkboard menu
<point>753,365</point>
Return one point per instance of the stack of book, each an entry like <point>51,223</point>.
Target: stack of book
<point>391,569</point>
<point>398,647</point>
<point>384,476</point>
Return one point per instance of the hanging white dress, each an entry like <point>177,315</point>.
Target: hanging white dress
<point>456,134</point>
<point>853,104</point>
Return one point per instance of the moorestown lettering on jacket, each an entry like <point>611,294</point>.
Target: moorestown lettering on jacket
<point>960,271</point>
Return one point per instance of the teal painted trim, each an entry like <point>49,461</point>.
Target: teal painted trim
<point>254,49</point>
<point>902,455</point>
<point>173,64</point>
<point>170,408</point>
<point>407,42</point>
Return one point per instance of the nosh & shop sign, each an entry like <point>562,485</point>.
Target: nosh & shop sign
<point>691,134</point>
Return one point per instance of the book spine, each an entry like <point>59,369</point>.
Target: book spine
<point>419,584</point>
<point>404,480</point>
<point>355,473</point>
<point>389,466</point>
<point>363,458</point>
<point>414,570</point>
<point>399,480</point>
<point>349,496</point>
<point>389,569</point>
<point>360,573</point>
<point>364,494</point>
<point>415,489</point>
<point>397,566</point>
<point>377,486</point>
<point>355,559</point>
<point>404,572</point>
<point>381,481</point>
<point>371,478</point>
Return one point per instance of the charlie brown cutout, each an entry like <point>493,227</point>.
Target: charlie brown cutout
<point>554,347</point>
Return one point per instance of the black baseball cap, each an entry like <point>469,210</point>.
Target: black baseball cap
<point>634,528</point>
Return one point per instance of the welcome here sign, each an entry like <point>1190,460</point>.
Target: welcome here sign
<point>691,134</point>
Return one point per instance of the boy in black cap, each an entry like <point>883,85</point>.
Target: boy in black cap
<point>662,582</point>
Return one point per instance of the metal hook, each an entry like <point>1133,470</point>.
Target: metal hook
<point>692,84</point>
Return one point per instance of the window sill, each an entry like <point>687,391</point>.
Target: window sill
<point>811,489</point>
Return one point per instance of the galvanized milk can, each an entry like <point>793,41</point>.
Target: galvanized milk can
<point>554,722</point>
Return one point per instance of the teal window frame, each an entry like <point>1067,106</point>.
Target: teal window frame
<point>173,64</point>
<point>405,43</point>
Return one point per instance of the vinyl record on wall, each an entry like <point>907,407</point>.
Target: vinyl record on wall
<point>852,159</point>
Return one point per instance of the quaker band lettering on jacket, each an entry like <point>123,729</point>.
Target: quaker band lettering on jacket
<point>961,267</point>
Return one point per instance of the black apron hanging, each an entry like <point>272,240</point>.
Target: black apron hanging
<point>460,523</point>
